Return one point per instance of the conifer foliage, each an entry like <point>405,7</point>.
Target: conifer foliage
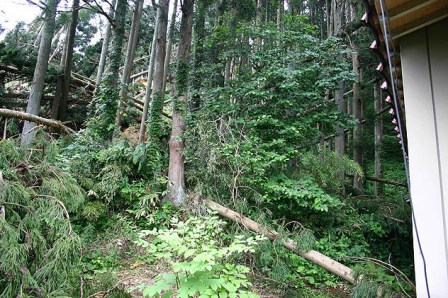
<point>39,250</point>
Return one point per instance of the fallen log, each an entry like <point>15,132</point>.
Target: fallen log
<point>382,180</point>
<point>24,96</point>
<point>36,119</point>
<point>86,79</point>
<point>138,104</point>
<point>313,256</point>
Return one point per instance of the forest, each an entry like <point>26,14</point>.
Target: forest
<point>199,148</point>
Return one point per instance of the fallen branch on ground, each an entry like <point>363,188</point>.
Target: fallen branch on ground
<point>312,255</point>
<point>381,180</point>
<point>36,119</point>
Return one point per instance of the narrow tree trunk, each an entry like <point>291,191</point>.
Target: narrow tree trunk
<point>339,94</point>
<point>59,82</point>
<point>40,71</point>
<point>280,14</point>
<point>130,53</point>
<point>339,140</point>
<point>5,129</point>
<point>176,171</point>
<point>169,47</point>
<point>357,109</point>
<point>141,136</point>
<point>154,125</point>
<point>2,207</point>
<point>2,83</point>
<point>105,47</point>
<point>199,33</point>
<point>68,62</point>
<point>357,112</point>
<point>259,19</point>
<point>106,97</point>
<point>228,71</point>
<point>340,134</point>
<point>313,256</point>
<point>218,73</point>
<point>118,34</point>
<point>378,136</point>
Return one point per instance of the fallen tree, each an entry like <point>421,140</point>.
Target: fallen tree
<point>313,256</point>
<point>36,119</point>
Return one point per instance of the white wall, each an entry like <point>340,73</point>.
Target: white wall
<point>424,58</point>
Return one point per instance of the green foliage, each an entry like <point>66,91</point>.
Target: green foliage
<point>39,250</point>
<point>112,174</point>
<point>201,262</point>
<point>374,279</point>
<point>245,143</point>
<point>146,202</point>
<point>288,194</point>
<point>13,51</point>
<point>327,167</point>
<point>101,122</point>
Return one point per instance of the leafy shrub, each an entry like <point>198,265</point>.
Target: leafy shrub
<point>202,263</point>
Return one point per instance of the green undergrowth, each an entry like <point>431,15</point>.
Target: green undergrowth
<point>39,249</point>
<point>79,213</point>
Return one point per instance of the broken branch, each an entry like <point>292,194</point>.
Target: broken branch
<point>36,119</point>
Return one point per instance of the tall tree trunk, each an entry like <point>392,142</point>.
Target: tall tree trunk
<point>40,71</point>
<point>105,47</point>
<point>378,136</point>
<point>155,113</point>
<point>336,24</point>
<point>130,53</point>
<point>176,172</point>
<point>118,34</point>
<point>199,34</point>
<point>218,73</point>
<point>59,110</point>
<point>106,97</point>
<point>59,82</point>
<point>169,47</point>
<point>357,111</point>
<point>341,106</point>
<point>259,17</point>
<point>141,135</point>
<point>280,14</point>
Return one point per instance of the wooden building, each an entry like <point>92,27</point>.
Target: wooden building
<point>412,43</point>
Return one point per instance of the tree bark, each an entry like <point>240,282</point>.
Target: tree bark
<point>2,207</point>
<point>176,170</point>
<point>118,34</point>
<point>199,33</point>
<point>60,110</point>
<point>217,79</point>
<point>36,119</point>
<point>40,71</point>
<point>105,47</point>
<point>141,135</point>
<point>357,112</point>
<point>378,136</point>
<point>313,256</point>
<point>155,113</point>
<point>169,48</point>
<point>280,14</point>
<point>381,180</point>
<point>339,142</point>
<point>130,53</point>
